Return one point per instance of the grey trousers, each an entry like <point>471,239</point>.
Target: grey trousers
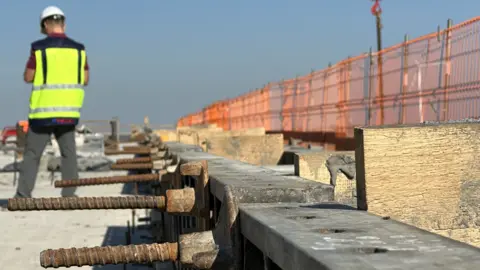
<point>36,141</point>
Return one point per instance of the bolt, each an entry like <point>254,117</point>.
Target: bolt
<point>134,160</point>
<point>110,180</point>
<point>80,203</point>
<point>176,201</point>
<point>133,150</point>
<point>139,254</point>
<point>124,152</point>
<point>132,166</point>
<point>156,165</point>
<point>137,148</point>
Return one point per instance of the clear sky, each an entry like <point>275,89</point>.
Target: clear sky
<point>167,58</point>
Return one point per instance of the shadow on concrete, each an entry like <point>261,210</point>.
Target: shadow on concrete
<point>337,206</point>
<point>143,188</point>
<point>115,236</point>
<point>3,204</point>
<point>130,189</point>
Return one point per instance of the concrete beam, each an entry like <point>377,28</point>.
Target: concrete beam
<point>256,150</point>
<point>335,237</point>
<point>256,184</point>
<point>423,175</point>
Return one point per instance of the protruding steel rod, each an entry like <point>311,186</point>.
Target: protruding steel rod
<point>156,165</point>
<point>137,148</point>
<point>145,151</point>
<point>110,180</point>
<point>179,201</point>
<point>132,166</point>
<point>81,203</point>
<point>134,160</point>
<point>139,254</point>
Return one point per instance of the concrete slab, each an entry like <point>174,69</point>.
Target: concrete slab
<point>25,234</point>
<point>334,237</point>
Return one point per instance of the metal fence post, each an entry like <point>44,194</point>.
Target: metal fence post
<point>366,86</point>
<point>447,69</point>
<point>282,88</point>
<point>404,79</point>
<point>294,104</point>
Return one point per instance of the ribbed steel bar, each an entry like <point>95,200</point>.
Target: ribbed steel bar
<point>134,160</point>
<point>111,152</point>
<point>137,148</point>
<point>81,203</point>
<point>138,254</point>
<point>134,166</point>
<point>110,180</point>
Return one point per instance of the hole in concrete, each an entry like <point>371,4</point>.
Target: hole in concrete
<point>303,217</point>
<point>368,250</point>
<point>326,231</point>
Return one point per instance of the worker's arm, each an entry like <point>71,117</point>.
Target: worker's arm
<point>28,75</point>
<point>29,72</point>
<point>86,75</point>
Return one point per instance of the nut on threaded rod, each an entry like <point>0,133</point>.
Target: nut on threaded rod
<point>81,203</point>
<point>139,254</point>
<point>110,180</point>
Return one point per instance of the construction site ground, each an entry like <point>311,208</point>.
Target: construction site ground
<point>25,234</point>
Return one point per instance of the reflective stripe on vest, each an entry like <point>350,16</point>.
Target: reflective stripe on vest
<point>57,86</point>
<point>57,90</point>
<point>55,109</point>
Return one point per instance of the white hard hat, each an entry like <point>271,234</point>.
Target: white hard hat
<point>51,11</point>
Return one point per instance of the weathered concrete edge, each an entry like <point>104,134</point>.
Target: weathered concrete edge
<point>279,236</point>
<point>257,184</point>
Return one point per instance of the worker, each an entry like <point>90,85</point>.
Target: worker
<point>58,71</point>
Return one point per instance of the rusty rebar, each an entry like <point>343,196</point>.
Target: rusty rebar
<point>111,152</point>
<point>134,160</point>
<point>137,148</point>
<point>110,180</point>
<point>84,203</point>
<point>139,254</point>
<point>132,166</point>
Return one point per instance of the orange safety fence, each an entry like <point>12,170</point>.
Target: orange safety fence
<point>431,78</point>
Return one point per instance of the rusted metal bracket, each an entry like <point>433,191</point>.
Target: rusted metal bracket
<point>199,169</point>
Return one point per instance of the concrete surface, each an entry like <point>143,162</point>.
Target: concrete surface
<point>26,234</point>
<point>313,166</point>
<point>256,150</point>
<point>298,236</point>
<point>425,175</point>
<point>332,236</point>
<point>257,184</point>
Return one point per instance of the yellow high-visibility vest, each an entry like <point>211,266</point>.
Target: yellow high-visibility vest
<point>59,79</point>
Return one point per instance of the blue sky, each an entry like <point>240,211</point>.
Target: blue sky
<point>168,58</point>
